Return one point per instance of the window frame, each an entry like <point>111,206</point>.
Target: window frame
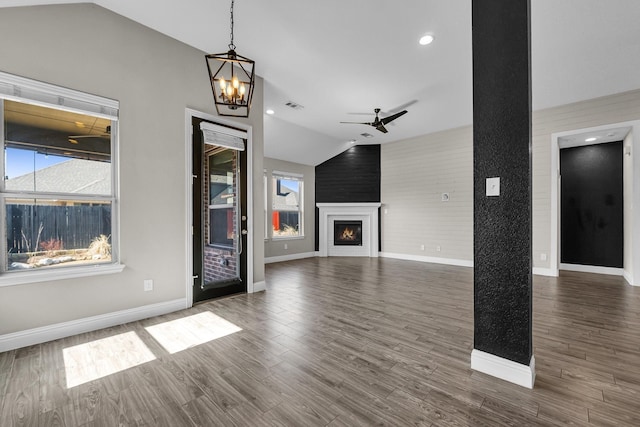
<point>265,183</point>
<point>219,206</point>
<point>27,91</point>
<point>279,175</point>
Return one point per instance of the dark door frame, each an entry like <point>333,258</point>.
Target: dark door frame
<point>189,115</point>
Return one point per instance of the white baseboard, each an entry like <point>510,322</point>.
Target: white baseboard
<point>504,369</point>
<point>592,269</point>
<point>60,330</point>
<point>544,272</point>
<point>434,260</point>
<point>629,279</point>
<point>259,286</point>
<point>290,257</point>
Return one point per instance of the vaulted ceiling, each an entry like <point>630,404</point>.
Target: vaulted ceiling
<point>338,57</point>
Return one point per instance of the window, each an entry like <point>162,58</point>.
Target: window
<point>57,192</point>
<point>222,167</point>
<point>286,216</point>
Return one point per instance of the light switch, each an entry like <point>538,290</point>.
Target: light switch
<point>493,186</point>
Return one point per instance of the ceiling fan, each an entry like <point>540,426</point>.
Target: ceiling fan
<point>379,123</point>
<point>74,138</point>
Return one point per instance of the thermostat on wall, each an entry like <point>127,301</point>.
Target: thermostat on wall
<point>493,186</point>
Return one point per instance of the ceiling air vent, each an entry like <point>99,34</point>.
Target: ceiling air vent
<point>294,105</point>
<point>367,135</point>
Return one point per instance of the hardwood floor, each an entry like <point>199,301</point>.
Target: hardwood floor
<point>339,342</point>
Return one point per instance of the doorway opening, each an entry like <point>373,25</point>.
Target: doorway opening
<point>589,137</point>
<point>591,207</point>
<point>219,243</point>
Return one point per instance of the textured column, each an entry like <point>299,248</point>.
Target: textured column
<point>502,222</point>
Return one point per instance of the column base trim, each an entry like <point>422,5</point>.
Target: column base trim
<point>504,369</point>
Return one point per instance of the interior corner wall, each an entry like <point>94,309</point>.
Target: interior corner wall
<point>627,196</point>
<point>297,246</point>
<point>415,173</point>
<point>352,176</point>
<point>154,77</point>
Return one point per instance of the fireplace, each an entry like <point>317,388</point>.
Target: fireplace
<point>364,215</point>
<point>347,233</point>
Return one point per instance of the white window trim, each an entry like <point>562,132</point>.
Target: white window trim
<point>58,273</point>
<point>20,89</point>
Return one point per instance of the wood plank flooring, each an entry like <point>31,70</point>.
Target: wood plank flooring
<point>344,342</point>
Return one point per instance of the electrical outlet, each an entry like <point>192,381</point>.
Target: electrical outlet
<point>438,248</point>
<point>148,285</point>
<point>422,247</point>
<point>543,257</point>
<point>286,246</point>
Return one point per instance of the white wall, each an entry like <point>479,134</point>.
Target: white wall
<point>627,166</point>
<point>415,172</point>
<point>155,77</point>
<point>274,248</point>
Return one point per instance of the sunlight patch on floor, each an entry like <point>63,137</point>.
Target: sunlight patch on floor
<point>100,358</point>
<point>181,334</point>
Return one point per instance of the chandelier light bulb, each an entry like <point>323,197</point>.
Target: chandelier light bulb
<point>223,84</point>
<point>235,82</point>
<point>243,89</point>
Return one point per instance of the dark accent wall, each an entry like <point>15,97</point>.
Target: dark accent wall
<point>591,205</point>
<point>501,148</point>
<point>352,176</point>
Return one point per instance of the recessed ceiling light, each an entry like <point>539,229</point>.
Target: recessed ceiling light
<point>590,139</point>
<point>270,112</point>
<point>426,39</point>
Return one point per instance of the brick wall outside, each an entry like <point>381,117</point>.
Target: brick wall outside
<point>219,263</point>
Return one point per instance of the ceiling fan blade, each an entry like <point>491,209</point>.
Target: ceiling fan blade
<point>401,107</point>
<point>359,123</point>
<point>103,135</point>
<point>392,117</point>
<point>381,128</point>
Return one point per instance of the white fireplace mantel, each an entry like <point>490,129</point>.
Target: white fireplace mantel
<point>365,212</point>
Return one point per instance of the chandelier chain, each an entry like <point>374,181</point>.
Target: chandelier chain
<point>231,45</point>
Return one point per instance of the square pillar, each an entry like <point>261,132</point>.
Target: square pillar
<point>502,190</point>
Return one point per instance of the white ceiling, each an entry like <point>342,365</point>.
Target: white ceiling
<point>337,57</point>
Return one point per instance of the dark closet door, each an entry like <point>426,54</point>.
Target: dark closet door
<point>591,205</point>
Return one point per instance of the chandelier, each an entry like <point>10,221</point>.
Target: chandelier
<point>232,80</point>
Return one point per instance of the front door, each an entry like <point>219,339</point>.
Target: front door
<point>219,214</point>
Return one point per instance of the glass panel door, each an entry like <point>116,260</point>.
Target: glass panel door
<point>221,225</point>
<point>219,203</point>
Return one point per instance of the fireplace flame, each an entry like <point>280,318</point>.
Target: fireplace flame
<point>348,234</point>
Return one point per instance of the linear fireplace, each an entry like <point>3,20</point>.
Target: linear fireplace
<point>347,233</point>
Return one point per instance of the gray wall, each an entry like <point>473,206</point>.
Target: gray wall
<point>303,246</point>
<point>87,48</point>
